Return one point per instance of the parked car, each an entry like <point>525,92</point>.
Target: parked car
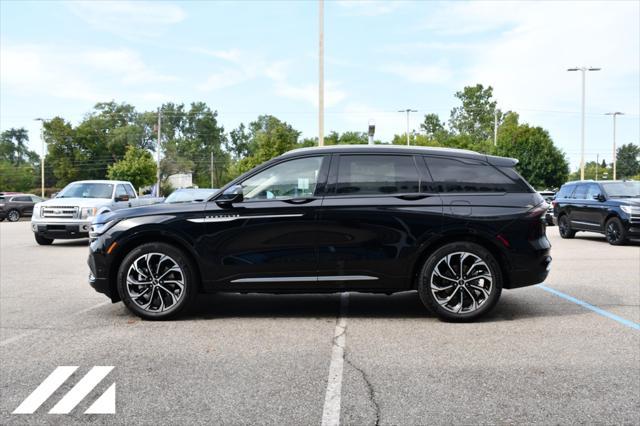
<point>457,226</point>
<point>190,195</point>
<point>69,215</point>
<point>15,205</point>
<point>611,208</point>
<point>548,197</point>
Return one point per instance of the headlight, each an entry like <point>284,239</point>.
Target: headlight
<point>98,229</point>
<point>630,209</point>
<point>86,212</point>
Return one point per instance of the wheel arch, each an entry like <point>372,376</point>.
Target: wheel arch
<point>146,238</point>
<point>461,236</point>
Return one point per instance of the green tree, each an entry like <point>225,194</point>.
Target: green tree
<point>137,167</point>
<point>346,138</point>
<point>270,137</point>
<point>433,128</point>
<point>475,117</point>
<point>604,172</point>
<point>13,147</point>
<point>627,161</point>
<point>540,161</point>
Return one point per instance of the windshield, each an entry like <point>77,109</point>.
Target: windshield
<point>87,190</point>
<point>622,189</point>
<point>187,196</point>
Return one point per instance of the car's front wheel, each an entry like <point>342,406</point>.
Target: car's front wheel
<point>460,281</point>
<point>156,281</point>
<point>13,215</point>
<point>614,232</point>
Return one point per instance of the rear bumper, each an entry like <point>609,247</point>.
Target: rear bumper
<point>530,266</point>
<point>61,230</point>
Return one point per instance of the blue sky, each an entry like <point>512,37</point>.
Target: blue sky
<point>249,58</point>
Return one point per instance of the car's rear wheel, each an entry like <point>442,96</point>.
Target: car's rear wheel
<point>156,281</point>
<point>13,215</point>
<point>460,282</point>
<point>614,232</point>
<point>564,227</point>
<point>42,240</point>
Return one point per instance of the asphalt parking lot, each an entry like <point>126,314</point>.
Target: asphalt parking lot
<point>568,352</point>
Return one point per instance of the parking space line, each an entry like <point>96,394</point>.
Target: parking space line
<point>589,306</point>
<point>30,332</point>
<point>332,399</point>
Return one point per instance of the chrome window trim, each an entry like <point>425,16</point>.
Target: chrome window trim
<point>230,218</point>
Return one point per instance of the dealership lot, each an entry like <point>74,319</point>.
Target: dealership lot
<point>237,359</point>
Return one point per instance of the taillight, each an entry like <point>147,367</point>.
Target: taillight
<point>537,225</point>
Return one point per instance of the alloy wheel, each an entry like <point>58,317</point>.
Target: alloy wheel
<point>13,216</point>
<point>613,232</point>
<point>461,282</point>
<point>155,282</point>
<point>563,225</point>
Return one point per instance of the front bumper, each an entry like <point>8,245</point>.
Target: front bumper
<point>61,229</point>
<point>99,266</point>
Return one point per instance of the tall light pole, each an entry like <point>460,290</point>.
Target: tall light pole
<point>44,153</point>
<point>320,72</point>
<point>614,114</point>
<point>158,153</point>
<point>583,70</point>
<point>408,111</point>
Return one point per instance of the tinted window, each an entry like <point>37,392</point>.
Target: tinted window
<point>453,175</point>
<point>120,191</point>
<point>566,191</point>
<point>22,199</point>
<point>130,192</point>
<point>291,179</point>
<point>581,192</point>
<point>36,199</point>
<point>377,174</point>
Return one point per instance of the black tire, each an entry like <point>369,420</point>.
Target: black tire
<point>615,232</point>
<point>1,219</point>
<point>13,215</point>
<point>564,227</point>
<point>470,293</point>
<point>185,295</point>
<point>42,240</point>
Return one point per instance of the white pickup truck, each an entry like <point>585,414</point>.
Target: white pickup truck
<point>70,213</point>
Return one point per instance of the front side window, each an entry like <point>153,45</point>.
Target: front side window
<point>291,179</point>
<point>458,175</point>
<point>36,199</point>
<point>592,191</point>
<point>376,175</point>
<point>130,192</point>
<point>120,191</point>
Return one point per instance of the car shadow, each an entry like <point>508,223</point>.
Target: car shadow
<point>361,305</point>
<point>71,243</point>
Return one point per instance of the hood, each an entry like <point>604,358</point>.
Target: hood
<point>75,202</point>
<point>628,201</point>
<point>150,210</point>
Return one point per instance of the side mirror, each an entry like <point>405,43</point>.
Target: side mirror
<point>230,196</point>
<point>599,197</point>
<point>122,198</point>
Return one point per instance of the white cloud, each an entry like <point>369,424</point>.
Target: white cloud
<point>430,74</point>
<point>128,18</point>
<point>369,7</point>
<point>125,63</point>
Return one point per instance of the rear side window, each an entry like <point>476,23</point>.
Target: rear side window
<point>457,175</point>
<point>377,174</point>
<point>581,192</point>
<point>566,191</point>
<point>21,199</point>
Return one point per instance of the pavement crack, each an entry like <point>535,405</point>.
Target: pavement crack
<point>370,389</point>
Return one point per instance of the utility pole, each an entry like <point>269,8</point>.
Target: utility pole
<point>211,169</point>
<point>583,70</point>
<point>158,153</point>
<point>408,111</point>
<point>371,131</point>
<point>321,73</point>
<point>597,164</point>
<point>495,127</point>
<point>43,154</point>
<point>614,114</point>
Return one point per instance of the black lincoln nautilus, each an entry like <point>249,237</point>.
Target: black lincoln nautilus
<point>457,226</point>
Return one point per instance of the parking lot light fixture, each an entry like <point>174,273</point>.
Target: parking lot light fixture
<point>583,70</point>
<point>614,114</point>
<point>42,155</point>
<point>408,111</point>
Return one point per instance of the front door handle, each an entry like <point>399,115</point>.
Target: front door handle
<point>412,197</point>
<point>299,200</point>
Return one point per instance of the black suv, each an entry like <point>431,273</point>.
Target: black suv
<point>455,225</point>
<point>611,208</point>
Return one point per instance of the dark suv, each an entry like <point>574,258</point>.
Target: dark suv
<point>611,208</point>
<point>455,225</point>
<point>15,206</point>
